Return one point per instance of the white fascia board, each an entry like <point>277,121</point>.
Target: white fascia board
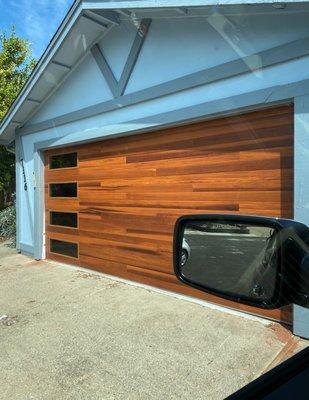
<point>135,4</point>
<point>44,61</point>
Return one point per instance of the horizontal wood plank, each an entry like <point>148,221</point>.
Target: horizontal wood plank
<point>131,190</point>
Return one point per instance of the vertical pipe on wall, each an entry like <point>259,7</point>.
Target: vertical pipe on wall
<point>301,192</point>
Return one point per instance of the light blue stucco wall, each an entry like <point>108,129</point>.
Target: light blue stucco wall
<point>25,199</point>
<point>116,46</point>
<point>178,47</point>
<point>301,191</point>
<point>301,164</point>
<point>182,46</point>
<point>172,49</point>
<point>77,91</point>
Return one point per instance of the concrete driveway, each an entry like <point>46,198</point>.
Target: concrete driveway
<point>69,334</point>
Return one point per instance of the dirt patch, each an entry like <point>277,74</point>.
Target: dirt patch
<point>283,333</point>
<point>107,284</point>
<point>292,344</point>
<point>86,275</point>
<point>7,320</point>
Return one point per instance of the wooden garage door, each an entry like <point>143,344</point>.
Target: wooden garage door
<point>129,192</point>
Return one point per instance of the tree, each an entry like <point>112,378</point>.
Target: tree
<point>16,64</point>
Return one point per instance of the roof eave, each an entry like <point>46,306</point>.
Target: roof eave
<point>53,46</point>
<point>137,4</point>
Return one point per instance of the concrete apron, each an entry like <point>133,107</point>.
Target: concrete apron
<point>69,333</point>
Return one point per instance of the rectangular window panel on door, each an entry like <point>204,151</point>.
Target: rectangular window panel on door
<point>68,189</point>
<point>64,248</point>
<point>66,219</point>
<point>68,160</point>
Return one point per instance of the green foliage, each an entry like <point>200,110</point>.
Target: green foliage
<point>16,64</point>
<point>7,175</point>
<point>8,223</point>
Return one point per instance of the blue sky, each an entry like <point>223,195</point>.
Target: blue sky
<point>35,20</point>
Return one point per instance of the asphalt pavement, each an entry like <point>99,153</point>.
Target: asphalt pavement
<point>226,262</point>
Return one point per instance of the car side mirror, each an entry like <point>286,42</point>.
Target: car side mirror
<point>263,262</point>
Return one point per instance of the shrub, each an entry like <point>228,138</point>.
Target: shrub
<point>8,223</point>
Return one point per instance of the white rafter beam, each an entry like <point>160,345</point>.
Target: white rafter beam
<point>182,10</point>
<point>33,100</point>
<point>95,21</point>
<point>125,13</point>
<point>104,15</point>
<point>60,64</point>
<point>105,69</point>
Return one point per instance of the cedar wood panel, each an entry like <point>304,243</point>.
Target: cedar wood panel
<point>132,189</point>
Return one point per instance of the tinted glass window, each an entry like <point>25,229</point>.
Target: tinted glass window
<point>63,189</point>
<point>68,160</point>
<point>63,219</point>
<point>64,248</point>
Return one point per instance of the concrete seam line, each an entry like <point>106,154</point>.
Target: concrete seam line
<point>179,296</point>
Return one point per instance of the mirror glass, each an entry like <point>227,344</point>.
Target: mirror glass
<point>234,258</point>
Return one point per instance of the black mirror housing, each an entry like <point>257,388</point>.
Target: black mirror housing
<point>259,261</point>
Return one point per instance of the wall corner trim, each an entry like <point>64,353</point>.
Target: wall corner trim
<point>38,204</point>
<point>26,249</point>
